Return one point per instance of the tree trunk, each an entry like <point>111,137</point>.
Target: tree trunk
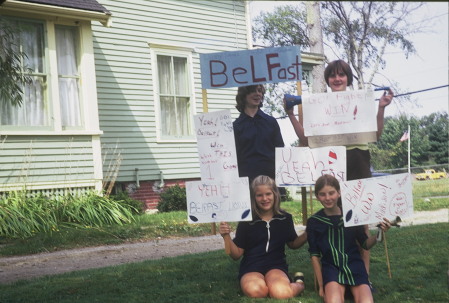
<point>316,44</point>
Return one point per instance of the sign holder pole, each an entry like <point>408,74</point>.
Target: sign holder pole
<point>213,227</point>
<point>303,188</point>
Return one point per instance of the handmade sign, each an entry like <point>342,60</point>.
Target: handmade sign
<point>300,166</point>
<point>342,139</point>
<point>218,201</point>
<point>216,146</point>
<point>249,67</point>
<point>367,201</point>
<point>339,113</point>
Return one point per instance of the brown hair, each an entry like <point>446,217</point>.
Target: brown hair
<point>244,91</point>
<point>338,66</point>
<point>267,181</point>
<point>326,180</point>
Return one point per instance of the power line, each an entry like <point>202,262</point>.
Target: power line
<point>404,94</point>
<point>422,90</point>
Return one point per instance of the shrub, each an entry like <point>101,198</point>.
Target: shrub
<point>173,199</point>
<point>136,206</point>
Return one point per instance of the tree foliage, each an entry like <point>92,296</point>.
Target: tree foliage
<point>358,32</point>
<point>361,31</point>
<point>429,142</point>
<point>285,26</point>
<point>12,70</point>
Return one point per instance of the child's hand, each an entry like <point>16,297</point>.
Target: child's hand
<point>287,111</point>
<point>385,224</point>
<point>224,229</point>
<point>386,99</point>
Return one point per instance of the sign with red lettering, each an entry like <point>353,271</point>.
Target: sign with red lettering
<point>250,67</point>
<point>300,166</point>
<point>339,113</point>
<point>216,146</point>
<point>209,202</point>
<point>367,201</point>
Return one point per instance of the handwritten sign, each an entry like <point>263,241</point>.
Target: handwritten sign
<point>299,166</point>
<point>209,202</point>
<point>342,139</point>
<point>249,67</point>
<point>216,146</point>
<point>339,113</point>
<point>367,201</point>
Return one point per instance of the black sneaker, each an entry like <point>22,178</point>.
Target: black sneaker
<point>373,290</point>
<point>298,277</point>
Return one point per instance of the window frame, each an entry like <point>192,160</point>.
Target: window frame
<point>180,52</point>
<point>89,121</point>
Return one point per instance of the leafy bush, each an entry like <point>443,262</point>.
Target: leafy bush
<point>24,217</point>
<point>136,206</point>
<point>172,199</point>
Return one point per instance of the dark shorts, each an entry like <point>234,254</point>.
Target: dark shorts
<point>358,164</point>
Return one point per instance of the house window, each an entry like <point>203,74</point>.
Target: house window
<point>43,104</point>
<point>34,110</point>
<point>174,96</point>
<point>68,76</point>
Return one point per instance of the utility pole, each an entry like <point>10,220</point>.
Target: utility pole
<point>316,44</point>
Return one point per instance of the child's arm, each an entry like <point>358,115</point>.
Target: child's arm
<point>372,240</point>
<point>298,242</point>
<point>231,249</point>
<point>316,264</point>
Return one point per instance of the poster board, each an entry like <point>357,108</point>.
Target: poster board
<point>209,202</point>
<point>221,195</point>
<point>216,146</point>
<point>339,113</point>
<point>250,67</point>
<point>302,166</point>
<point>367,201</point>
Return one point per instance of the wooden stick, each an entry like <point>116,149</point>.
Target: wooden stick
<point>227,242</point>
<point>386,254</point>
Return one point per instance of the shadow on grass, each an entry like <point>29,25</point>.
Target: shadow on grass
<point>418,259</point>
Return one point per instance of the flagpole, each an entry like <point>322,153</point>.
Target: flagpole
<point>409,139</point>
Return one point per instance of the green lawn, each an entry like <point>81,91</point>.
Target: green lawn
<point>418,258</point>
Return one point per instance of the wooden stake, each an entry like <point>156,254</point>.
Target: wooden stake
<point>386,254</point>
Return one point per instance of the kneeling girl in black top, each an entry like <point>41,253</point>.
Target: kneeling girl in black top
<point>263,268</point>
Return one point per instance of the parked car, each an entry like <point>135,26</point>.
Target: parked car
<point>431,174</point>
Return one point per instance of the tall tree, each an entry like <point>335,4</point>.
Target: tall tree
<point>361,31</point>
<point>436,126</point>
<point>358,32</point>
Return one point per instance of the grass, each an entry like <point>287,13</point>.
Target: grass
<point>418,258</point>
<point>174,224</point>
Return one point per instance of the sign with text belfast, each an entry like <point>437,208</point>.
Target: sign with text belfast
<point>250,67</point>
<point>367,201</point>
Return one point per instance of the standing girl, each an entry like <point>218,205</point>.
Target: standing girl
<point>263,268</point>
<point>333,248</point>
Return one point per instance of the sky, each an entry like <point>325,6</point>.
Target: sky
<point>426,69</point>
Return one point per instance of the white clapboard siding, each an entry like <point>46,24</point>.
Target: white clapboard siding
<point>125,79</point>
<point>55,161</point>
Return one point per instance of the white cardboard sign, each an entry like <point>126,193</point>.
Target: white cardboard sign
<point>218,201</point>
<point>339,113</point>
<point>367,201</point>
<point>216,146</point>
<point>299,166</point>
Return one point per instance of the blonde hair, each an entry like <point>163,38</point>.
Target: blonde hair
<point>265,181</point>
